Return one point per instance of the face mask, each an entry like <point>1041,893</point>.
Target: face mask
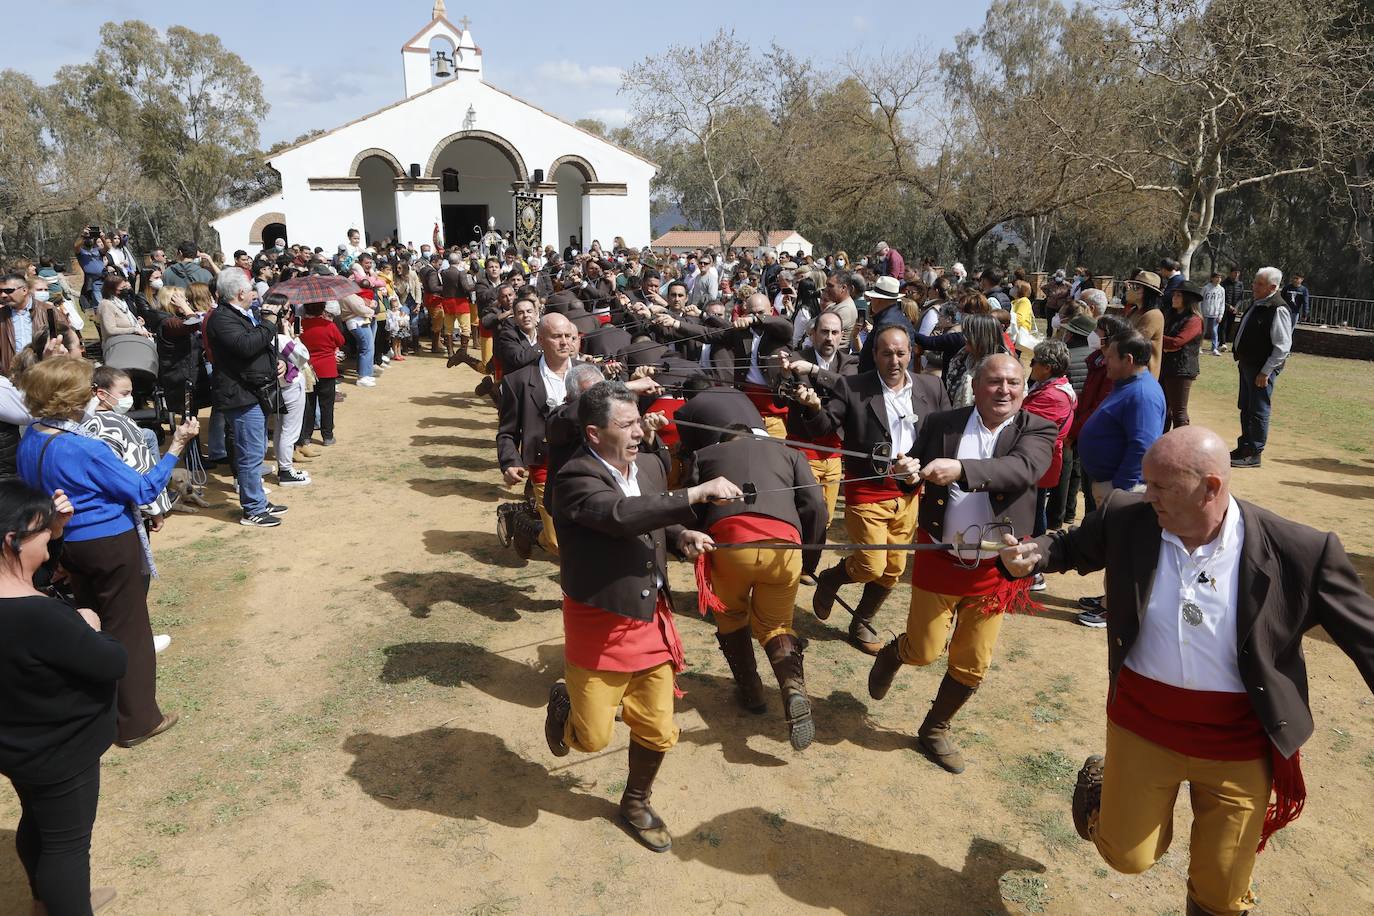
<point>155,284</point>
<point>839,263</point>
<point>681,262</point>
<point>42,295</point>
<point>124,404</point>
<point>863,262</point>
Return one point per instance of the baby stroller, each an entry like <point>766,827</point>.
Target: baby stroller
<point>137,355</point>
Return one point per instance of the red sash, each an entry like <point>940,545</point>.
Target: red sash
<point>539,473</point>
<point>1213,725</point>
<point>941,573</point>
<point>747,527</point>
<point>598,640</point>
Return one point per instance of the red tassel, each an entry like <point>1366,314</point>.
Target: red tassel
<point>1290,795</point>
<point>707,599</point>
<point>1012,596</point>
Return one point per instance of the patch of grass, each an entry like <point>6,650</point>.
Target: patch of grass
<point>1028,891</point>
<point>1017,653</point>
<point>309,887</point>
<point>1046,770</point>
<point>494,906</point>
<point>774,820</point>
<point>1056,832</point>
<point>167,828</point>
<point>1342,742</point>
<point>710,838</point>
<point>1367,761</point>
<point>615,789</point>
<point>144,860</point>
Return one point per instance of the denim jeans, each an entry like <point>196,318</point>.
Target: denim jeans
<point>1254,403</point>
<point>363,335</point>
<point>1210,331</point>
<point>250,448</point>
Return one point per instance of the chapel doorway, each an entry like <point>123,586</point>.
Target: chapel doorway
<point>460,221</point>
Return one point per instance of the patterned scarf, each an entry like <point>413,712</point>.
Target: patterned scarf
<point>76,429</point>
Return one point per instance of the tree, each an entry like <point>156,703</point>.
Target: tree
<point>183,106</point>
<point>47,168</point>
<point>962,131</point>
<point>1229,94</point>
<point>697,107</point>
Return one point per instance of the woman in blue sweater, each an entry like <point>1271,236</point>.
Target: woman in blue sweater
<point>105,547</point>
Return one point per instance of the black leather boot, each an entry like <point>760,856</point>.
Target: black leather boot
<point>738,649</point>
<point>827,587</point>
<point>933,735</point>
<point>635,811</point>
<point>861,627</point>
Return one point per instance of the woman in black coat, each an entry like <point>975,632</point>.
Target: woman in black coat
<point>57,674</point>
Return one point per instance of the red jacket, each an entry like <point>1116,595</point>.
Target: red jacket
<point>322,338</point>
<point>1054,400</point>
<point>1095,390</point>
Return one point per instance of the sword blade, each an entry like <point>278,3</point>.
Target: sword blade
<point>792,443</point>
<point>989,546</point>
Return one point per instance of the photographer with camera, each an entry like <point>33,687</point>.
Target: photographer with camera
<point>90,248</point>
<point>244,387</point>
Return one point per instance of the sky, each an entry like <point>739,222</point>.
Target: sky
<point>326,62</point>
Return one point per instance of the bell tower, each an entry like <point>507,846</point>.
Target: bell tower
<point>439,53</point>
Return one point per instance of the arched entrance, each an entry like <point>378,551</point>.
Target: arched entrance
<point>570,173</point>
<point>476,169</point>
<point>267,228</point>
<point>377,176</point>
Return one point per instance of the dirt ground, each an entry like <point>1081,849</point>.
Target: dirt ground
<point>361,693</point>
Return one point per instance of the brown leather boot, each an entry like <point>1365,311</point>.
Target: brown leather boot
<point>556,717</point>
<point>738,649</point>
<point>861,627</point>
<point>1087,795</point>
<point>785,655</point>
<point>635,812</point>
<point>1193,908</point>
<point>884,671</point>
<point>933,735</point>
<point>827,587</point>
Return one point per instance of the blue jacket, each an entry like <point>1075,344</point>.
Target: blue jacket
<point>104,490</point>
<point>1114,439</point>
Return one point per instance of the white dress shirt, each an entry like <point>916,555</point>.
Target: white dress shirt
<point>629,486</point>
<point>964,510</point>
<point>555,388</point>
<point>901,416</point>
<point>827,365</point>
<point>1169,649</point>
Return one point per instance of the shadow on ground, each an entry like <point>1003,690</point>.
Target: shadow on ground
<point>455,423</point>
<point>455,664</point>
<point>841,718</point>
<point>459,773</point>
<point>828,871</point>
<point>450,441</point>
<point>460,462</point>
<point>499,601</point>
<point>1330,465</point>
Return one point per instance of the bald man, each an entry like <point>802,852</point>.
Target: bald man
<point>759,342</point>
<point>1210,597</point>
<point>978,466</point>
<point>528,396</point>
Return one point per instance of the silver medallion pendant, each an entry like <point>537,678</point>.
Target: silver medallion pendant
<point>1192,614</point>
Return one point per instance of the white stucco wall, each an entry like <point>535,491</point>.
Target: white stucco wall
<point>411,131</point>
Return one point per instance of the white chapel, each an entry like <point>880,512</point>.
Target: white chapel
<point>454,151</point>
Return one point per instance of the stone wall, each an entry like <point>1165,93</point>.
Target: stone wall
<point>1339,342</point>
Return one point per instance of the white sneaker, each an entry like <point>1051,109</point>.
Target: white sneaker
<point>386,360</point>
<point>160,642</point>
<point>368,382</point>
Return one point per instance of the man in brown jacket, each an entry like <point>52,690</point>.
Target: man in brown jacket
<point>887,407</point>
<point>754,589</point>
<point>979,466</point>
<point>1209,599</point>
<point>615,519</point>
